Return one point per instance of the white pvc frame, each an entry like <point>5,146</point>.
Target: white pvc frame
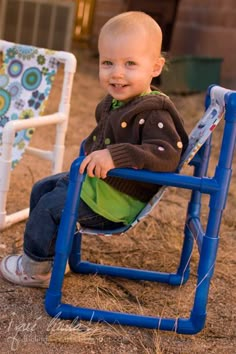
<point>56,155</point>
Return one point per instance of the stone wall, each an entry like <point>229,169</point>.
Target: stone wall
<point>104,9</point>
<point>208,28</point>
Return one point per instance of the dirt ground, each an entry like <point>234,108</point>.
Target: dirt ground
<point>155,244</point>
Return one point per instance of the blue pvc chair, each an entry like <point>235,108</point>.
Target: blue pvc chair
<point>220,102</point>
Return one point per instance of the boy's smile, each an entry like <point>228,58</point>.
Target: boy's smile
<point>117,89</point>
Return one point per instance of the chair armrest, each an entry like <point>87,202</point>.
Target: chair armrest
<point>12,126</point>
<point>203,184</point>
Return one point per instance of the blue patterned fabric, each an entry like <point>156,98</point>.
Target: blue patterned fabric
<point>26,77</point>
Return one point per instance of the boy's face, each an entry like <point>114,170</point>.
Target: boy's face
<point>127,64</point>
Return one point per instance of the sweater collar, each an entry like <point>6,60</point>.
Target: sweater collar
<point>117,104</point>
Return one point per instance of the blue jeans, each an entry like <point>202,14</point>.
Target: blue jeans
<point>47,201</point>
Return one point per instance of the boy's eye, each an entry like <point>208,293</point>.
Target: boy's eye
<point>130,63</point>
<point>107,62</point>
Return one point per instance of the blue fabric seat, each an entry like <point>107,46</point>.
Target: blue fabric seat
<point>220,105</point>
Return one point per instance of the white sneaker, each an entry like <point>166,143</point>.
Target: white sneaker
<point>11,269</point>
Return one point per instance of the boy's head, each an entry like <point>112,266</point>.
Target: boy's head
<point>129,47</point>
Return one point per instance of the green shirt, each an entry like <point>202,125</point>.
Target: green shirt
<point>109,202</point>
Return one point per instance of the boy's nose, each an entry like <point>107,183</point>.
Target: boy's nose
<point>117,71</point>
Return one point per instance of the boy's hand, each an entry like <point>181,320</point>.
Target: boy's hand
<point>98,163</point>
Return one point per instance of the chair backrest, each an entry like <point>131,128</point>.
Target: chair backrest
<point>198,136</point>
<point>203,129</point>
<point>26,77</point>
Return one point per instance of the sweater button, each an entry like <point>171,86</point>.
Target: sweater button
<point>141,122</point>
<point>107,141</point>
<point>179,144</point>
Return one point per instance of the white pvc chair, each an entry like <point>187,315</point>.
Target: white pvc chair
<point>26,78</point>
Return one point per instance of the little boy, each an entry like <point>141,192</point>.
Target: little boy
<point>137,127</point>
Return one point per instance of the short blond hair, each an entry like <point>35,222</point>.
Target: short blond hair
<point>131,21</point>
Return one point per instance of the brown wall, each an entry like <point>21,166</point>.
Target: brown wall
<point>163,11</point>
<point>104,9</point>
<point>208,28</point>
<point>202,28</point>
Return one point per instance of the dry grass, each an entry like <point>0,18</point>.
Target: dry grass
<point>153,244</point>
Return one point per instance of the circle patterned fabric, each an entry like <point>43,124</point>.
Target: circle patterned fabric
<point>31,79</point>
<point>26,78</point>
<point>15,68</point>
<point>5,101</point>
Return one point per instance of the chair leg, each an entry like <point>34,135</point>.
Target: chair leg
<point>185,258</point>
<point>77,265</point>
<point>75,255</point>
<point>54,307</point>
<point>207,246</point>
<point>205,272</point>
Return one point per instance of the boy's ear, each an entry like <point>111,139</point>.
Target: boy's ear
<point>158,66</point>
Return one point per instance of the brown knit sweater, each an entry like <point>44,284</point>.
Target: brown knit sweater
<point>145,133</point>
